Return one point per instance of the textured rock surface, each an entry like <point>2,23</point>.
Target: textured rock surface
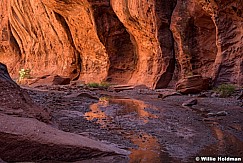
<point>15,101</point>
<point>209,39</point>
<point>192,84</point>
<point>124,42</point>
<point>34,141</point>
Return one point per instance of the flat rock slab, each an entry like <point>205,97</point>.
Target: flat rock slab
<point>26,139</point>
<point>190,102</point>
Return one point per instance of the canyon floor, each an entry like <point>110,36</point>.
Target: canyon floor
<point>152,128</point>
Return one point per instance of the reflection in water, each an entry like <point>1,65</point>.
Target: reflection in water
<point>148,147</point>
<point>128,106</point>
<point>97,113</point>
<point>133,106</point>
<point>227,144</point>
<point>220,136</point>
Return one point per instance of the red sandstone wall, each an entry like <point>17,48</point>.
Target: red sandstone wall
<point>124,41</point>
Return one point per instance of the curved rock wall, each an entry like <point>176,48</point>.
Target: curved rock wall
<point>124,41</point>
<point>209,39</point>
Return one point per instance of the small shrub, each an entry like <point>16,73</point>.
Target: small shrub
<point>24,74</point>
<point>104,85</point>
<point>93,85</point>
<point>225,90</point>
<point>98,85</point>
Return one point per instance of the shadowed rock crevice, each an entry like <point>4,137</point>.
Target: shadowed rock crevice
<point>164,10</point>
<point>77,61</point>
<point>13,42</point>
<point>195,35</point>
<point>117,40</point>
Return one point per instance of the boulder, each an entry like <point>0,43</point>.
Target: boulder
<point>221,113</point>
<point>27,139</point>
<point>50,80</point>
<point>192,84</point>
<point>58,80</point>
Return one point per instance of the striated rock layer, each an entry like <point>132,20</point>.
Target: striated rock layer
<point>124,41</point>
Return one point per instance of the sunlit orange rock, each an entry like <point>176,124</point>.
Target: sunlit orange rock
<point>124,42</point>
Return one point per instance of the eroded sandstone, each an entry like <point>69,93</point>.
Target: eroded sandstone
<point>124,42</point>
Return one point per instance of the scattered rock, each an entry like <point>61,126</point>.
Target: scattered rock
<point>215,94</point>
<point>119,88</point>
<point>240,96</point>
<point>221,113</point>
<point>202,95</point>
<point>190,102</point>
<point>204,110</point>
<point>205,94</point>
<point>192,84</point>
<point>211,114</point>
<point>77,83</point>
<point>168,93</point>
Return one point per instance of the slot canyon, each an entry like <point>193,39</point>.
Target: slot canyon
<point>161,63</point>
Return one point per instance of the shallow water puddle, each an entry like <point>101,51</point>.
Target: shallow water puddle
<point>128,108</point>
<point>148,149</point>
<point>134,106</point>
<point>97,114</point>
<point>227,144</point>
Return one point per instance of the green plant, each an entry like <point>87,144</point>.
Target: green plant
<point>98,85</point>
<point>104,85</point>
<point>93,85</point>
<point>24,74</point>
<point>225,90</point>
